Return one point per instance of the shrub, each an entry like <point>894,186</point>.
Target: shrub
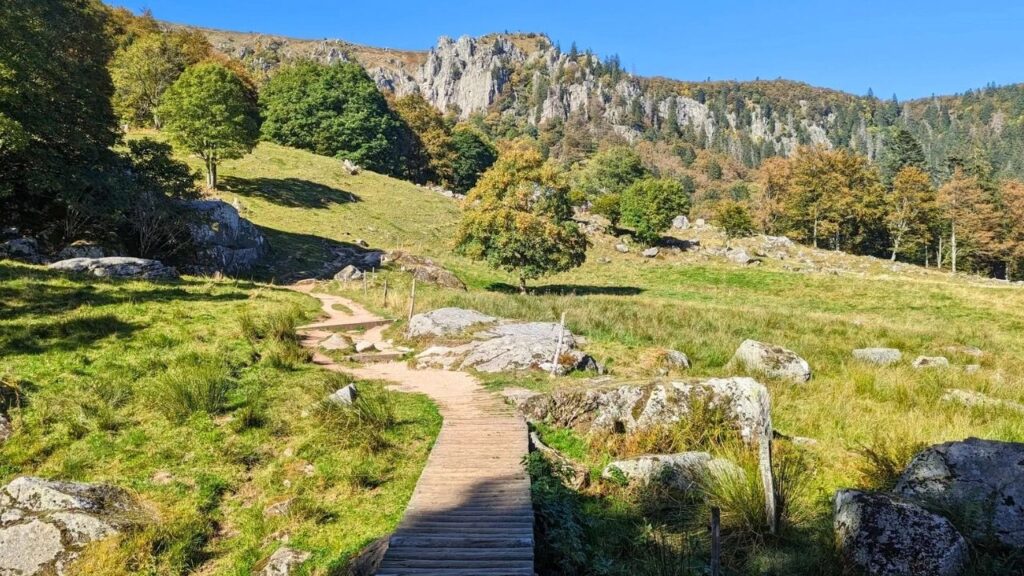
<point>607,205</point>
<point>734,218</point>
<point>649,205</point>
<point>364,423</point>
<point>193,384</point>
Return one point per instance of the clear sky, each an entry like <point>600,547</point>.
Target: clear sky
<point>912,48</point>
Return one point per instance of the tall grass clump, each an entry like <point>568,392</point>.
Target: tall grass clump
<point>275,335</point>
<point>193,383</point>
<point>884,460</point>
<point>364,423</point>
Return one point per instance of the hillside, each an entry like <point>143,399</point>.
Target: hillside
<point>524,83</point>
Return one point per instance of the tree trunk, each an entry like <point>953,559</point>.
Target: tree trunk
<point>896,248</point>
<point>1009,269</point>
<point>522,285</point>
<point>952,247</point>
<point>815,233</point>
<point>938,257</point>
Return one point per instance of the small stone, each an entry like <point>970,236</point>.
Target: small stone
<point>335,342</point>
<point>931,362</point>
<point>680,222</point>
<point>162,478</point>
<point>362,243</point>
<point>677,360</point>
<point>349,272</point>
<point>650,252</point>
<point>363,346</point>
<point>622,248</point>
<point>282,562</point>
<point>279,508</point>
<point>880,356</point>
<point>773,361</point>
<point>972,368</point>
<point>346,395</point>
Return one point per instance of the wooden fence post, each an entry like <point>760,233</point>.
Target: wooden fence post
<point>558,348</point>
<point>412,306</point>
<point>385,292</point>
<point>716,541</point>
<point>764,461</point>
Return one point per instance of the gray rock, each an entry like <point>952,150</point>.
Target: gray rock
<point>772,361</point>
<point>280,508</point>
<point>972,368</point>
<point>977,399</point>
<point>683,471</point>
<point>225,242</point>
<point>701,223</point>
<point>117,267</point>
<point>44,525</point>
<point>531,345</point>
<point>346,395</point>
<point>650,252</point>
<point>984,479</point>
<point>446,322</point>
<point>282,562</point>
<point>350,167</point>
<point>621,248</point>
<point>22,249</point>
<point>739,256</point>
<point>966,351</point>
<point>335,342</point>
<point>349,272</point>
<point>635,407</point>
<point>680,222</point>
<point>931,362</point>
<point>881,535</point>
<point>5,428</point>
<point>674,359</point>
<point>83,249</point>
<point>363,346</point>
<point>880,356</point>
<point>426,270</point>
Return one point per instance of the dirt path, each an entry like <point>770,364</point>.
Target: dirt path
<point>470,513</point>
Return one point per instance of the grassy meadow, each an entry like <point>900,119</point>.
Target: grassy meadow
<point>630,308</point>
<point>195,396</point>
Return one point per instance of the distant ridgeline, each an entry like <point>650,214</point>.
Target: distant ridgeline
<point>572,100</point>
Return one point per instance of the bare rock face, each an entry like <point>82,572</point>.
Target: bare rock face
<point>447,322</point>
<point>772,361</point>
<point>985,477</point>
<point>44,524</point>
<point>635,407</point>
<point>683,471</point>
<point>879,356</point>
<point>882,535</point>
<point>117,267</point>
<point>225,242</point>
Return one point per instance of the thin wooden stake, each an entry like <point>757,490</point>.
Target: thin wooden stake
<point>558,348</point>
<point>765,462</point>
<point>412,305</point>
<point>365,274</point>
<point>385,292</point>
<point>716,541</point>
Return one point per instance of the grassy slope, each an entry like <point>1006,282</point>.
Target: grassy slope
<point>90,360</point>
<point>631,306</point>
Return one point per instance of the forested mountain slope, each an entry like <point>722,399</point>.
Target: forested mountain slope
<point>523,83</point>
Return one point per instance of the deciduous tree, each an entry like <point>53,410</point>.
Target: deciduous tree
<point>517,218</point>
<point>209,112</point>
<point>910,210</point>
<point>970,216</point>
<point>649,205</point>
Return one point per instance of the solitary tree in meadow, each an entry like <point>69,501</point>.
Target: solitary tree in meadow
<point>517,217</point>
<point>210,112</point>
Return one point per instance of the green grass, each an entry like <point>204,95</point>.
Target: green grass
<point>631,308</point>
<point>194,396</point>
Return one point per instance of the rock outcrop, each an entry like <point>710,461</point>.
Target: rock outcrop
<point>117,267</point>
<point>635,407</point>
<point>879,356</point>
<point>44,525</point>
<point>225,242</point>
<point>425,270</point>
<point>880,535</point>
<point>984,479</point>
<point>21,248</point>
<point>683,471</point>
<point>772,361</point>
<point>447,322</point>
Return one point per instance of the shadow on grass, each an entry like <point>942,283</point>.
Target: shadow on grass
<point>64,334</point>
<point>296,256</point>
<point>567,289</point>
<point>290,192</point>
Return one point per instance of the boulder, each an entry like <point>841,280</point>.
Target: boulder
<point>363,346</point>
<point>621,248</point>
<point>346,395</point>
<point>426,270</point>
<point>650,252</point>
<point>880,356</point>
<point>282,562</point>
<point>446,322</point>
<point>510,347</point>
<point>982,478</point>
<point>683,471</point>
<point>224,241</point>
<point>335,342</point>
<point>117,267</point>
<point>739,256</point>
<point>676,360</point>
<point>349,272</point>
<point>22,249</point>
<point>44,525</point>
<point>931,362</point>
<point>881,535</point>
<point>634,407</point>
<point>772,361</point>
<point>681,222</point>
<point>83,249</point>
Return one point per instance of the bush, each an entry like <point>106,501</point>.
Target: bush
<point>193,384</point>
<point>559,522</point>
<point>734,218</point>
<point>607,205</point>
<point>649,205</point>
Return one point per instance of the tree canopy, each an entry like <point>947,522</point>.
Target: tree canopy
<point>648,206</point>
<point>210,112</point>
<point>517,217</point>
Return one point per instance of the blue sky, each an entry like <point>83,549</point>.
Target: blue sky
<point>910,48</point>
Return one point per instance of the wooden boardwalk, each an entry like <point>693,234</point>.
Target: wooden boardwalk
<point>470,513</point>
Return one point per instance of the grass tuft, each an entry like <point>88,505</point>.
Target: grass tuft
<point>195,383</point>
